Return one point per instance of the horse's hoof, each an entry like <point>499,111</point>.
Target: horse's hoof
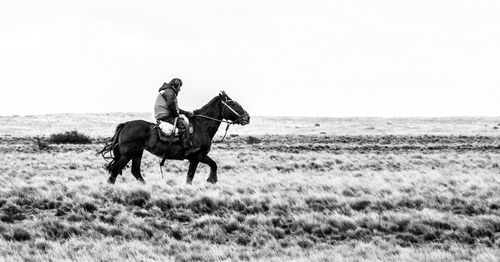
<point>213,181</point>
<point>111,181</point>
<point>141,180</point>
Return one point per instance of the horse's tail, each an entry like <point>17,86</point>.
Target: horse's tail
<point>110,151</point>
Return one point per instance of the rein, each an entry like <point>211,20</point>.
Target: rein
<point>229,123</point>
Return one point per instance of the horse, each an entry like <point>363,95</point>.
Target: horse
<point>133,137</point>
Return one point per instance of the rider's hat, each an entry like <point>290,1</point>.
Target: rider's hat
<point>176,83</point>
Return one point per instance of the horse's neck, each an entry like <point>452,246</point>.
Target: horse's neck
<point>208,125</point>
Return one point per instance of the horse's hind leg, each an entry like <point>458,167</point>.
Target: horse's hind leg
<point>136,168</point>
<point>117,168</point>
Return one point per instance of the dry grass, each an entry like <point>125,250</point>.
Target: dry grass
<point>279,197</point>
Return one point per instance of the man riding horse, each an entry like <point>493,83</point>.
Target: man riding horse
<point>167,110</point>
<point>132,138</point>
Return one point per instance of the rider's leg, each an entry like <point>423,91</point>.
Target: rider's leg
<point>187,141</point>
<point>183,127</point>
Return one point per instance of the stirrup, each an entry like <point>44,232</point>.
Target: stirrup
<point>164,157</point>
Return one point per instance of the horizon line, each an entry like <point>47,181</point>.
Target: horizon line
<point>263,116</point>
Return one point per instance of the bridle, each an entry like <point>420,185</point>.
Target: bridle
<point>228,122</point>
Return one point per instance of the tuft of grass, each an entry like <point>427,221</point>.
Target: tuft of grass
<point>41,143</point>
<point>406,239</point>
<point>261,239</point>
<point>163,204</point>
<point>243,240</point>
<point>12,213</point>
<point>231,226</point>
<point>89,207</point>
<point>138,197</point>
<point>360,205</point>
<point>205,204</point>
<point>55,230</point>
<point>176,233</point>
<point>42,245</point>
<point>20,234</point>
<point>278,233</point>
<point>305,243</point>
<point>70,137</point>
<point>253,140</point>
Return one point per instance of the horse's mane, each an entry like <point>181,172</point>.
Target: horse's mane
<point>205,107</point>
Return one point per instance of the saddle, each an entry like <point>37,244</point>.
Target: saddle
<point>170,133</point>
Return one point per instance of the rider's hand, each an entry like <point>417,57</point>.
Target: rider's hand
<point>189,114</point>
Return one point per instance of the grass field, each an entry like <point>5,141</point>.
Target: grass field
<point>296,189</point>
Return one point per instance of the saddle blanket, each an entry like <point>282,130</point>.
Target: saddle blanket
<point>168,128</point>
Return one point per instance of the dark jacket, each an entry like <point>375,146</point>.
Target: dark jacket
<point>166,103</point>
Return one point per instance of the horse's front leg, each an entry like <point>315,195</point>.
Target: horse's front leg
<point>213,168</point>
<point>193,164</point>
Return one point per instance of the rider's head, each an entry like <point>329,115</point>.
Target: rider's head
<point>176,84</point>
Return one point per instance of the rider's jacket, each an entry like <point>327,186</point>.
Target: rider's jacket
<point>166,103</point>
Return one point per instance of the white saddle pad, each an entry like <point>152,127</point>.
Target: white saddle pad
<point>167,128</point>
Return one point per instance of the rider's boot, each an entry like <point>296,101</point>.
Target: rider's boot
<point>187,143</point>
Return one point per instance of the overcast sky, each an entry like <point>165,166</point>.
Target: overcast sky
<point>295,58</point>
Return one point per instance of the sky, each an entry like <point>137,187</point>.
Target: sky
<point>277,58</point>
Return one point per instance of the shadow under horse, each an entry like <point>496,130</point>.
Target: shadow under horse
<point>133,137</point>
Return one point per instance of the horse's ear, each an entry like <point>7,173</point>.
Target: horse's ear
<point>223,95</point>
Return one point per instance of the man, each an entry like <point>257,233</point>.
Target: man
<point>166,109</point>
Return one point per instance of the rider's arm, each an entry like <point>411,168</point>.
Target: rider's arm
<point>171,103</point>
<point>184,112</point>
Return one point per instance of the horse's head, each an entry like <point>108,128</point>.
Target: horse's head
<point>233,111</point>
